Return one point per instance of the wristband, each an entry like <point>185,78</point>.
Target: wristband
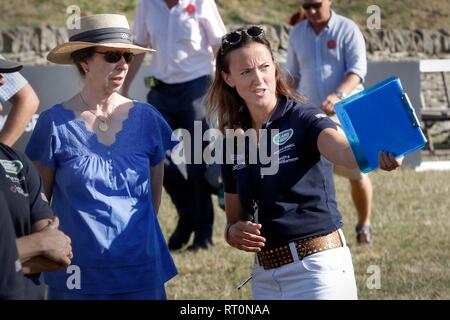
<point>340,94</point>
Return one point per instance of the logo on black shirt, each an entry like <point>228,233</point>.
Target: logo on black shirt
<point>19,190</point>
<point>13,167</point>
<point>283,137</point>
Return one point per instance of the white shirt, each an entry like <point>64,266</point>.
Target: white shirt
<point>14,82</point>
<point>182,36</point>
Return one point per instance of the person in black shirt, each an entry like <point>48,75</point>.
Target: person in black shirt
<point>288,215</point>
<point>11,276</point>
<point>40,245</point>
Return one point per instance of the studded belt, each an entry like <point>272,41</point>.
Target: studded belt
<point>279,256</point>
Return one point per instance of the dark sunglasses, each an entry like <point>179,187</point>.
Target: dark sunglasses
<point>115,56</point>
<point>314,5</point>
<point>235,37</point>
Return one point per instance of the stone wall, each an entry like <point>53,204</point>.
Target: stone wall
<point>31,45</point>
<point>433,89</point>
<point>434,97</point>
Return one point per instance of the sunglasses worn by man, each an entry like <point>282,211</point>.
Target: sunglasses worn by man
<point>313,5</point>
<point>235,37</point>
<point>115,56</point>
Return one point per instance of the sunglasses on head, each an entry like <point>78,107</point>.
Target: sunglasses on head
<point>314,5</point>
<point>115,56</point>
<point>235,37</point>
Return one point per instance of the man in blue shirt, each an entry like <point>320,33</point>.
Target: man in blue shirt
<point>327,63</point>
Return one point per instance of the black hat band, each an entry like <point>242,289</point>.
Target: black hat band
<point>118,35</point>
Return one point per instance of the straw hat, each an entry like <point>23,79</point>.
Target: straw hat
<point>7,66</point>
<point>100,30</point>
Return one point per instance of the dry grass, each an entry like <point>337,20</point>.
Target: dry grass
<point>431,14</point>
<point>411,248</point>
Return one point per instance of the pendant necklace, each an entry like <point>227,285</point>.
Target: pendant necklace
<point>103,125</point>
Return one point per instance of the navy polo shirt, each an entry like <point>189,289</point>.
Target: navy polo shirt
<point>299,200</point>
<point>22,188</point>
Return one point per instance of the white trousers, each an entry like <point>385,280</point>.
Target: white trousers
<point>327,275</point>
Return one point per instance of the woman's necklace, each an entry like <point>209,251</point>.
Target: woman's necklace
<point>103,125</point>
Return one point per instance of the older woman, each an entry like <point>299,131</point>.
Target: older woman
<point>296,225</point>
<point>101,158</point>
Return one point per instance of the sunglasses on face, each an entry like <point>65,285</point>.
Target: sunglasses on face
<point>235,37</point>
<point>115,56</point>
<point>314,5</point>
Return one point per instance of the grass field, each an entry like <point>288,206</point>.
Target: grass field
<point>429,14</point>
<point>411,250</point>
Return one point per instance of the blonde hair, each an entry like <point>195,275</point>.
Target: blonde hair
<point>226,108</point>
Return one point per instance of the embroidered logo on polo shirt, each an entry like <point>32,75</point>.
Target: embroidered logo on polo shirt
<point>14,166</point>
<point>15,179</point>
<point>287,159</point>
<point>320,115</point>
<point>283,137</point>
<point>19,190</point>
<point>238,166</point>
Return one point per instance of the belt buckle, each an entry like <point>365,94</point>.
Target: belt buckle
<point>151,82</point>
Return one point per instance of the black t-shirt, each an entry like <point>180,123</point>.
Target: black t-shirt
<point>22,188</point>
<point>297,201</point>
<point>11,277</point>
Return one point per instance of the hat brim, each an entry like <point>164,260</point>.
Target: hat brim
<point>7,66</point>
<point>61,54</point>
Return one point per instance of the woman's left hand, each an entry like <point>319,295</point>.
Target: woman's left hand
<point>388,162</point>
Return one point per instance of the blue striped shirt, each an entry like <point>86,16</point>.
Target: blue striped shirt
<point>321,61</point>
<point>14,82</point>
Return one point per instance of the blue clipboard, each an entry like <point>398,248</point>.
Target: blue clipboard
<point>380,118</point>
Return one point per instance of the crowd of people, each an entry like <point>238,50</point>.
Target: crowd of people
<point>88,188</point>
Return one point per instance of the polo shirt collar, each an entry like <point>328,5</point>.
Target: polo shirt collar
<point>280,109</point>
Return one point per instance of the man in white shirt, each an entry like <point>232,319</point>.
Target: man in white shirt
<point>24,103</point>
<point>186,34</point>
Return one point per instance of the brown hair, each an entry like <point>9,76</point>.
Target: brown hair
<point>297,17</point>
<point>80,56</point>
<point>226,108</point>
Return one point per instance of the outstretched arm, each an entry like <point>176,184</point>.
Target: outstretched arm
<point>335,147</point>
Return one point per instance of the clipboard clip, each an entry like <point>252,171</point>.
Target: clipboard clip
<point>409,110</point>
